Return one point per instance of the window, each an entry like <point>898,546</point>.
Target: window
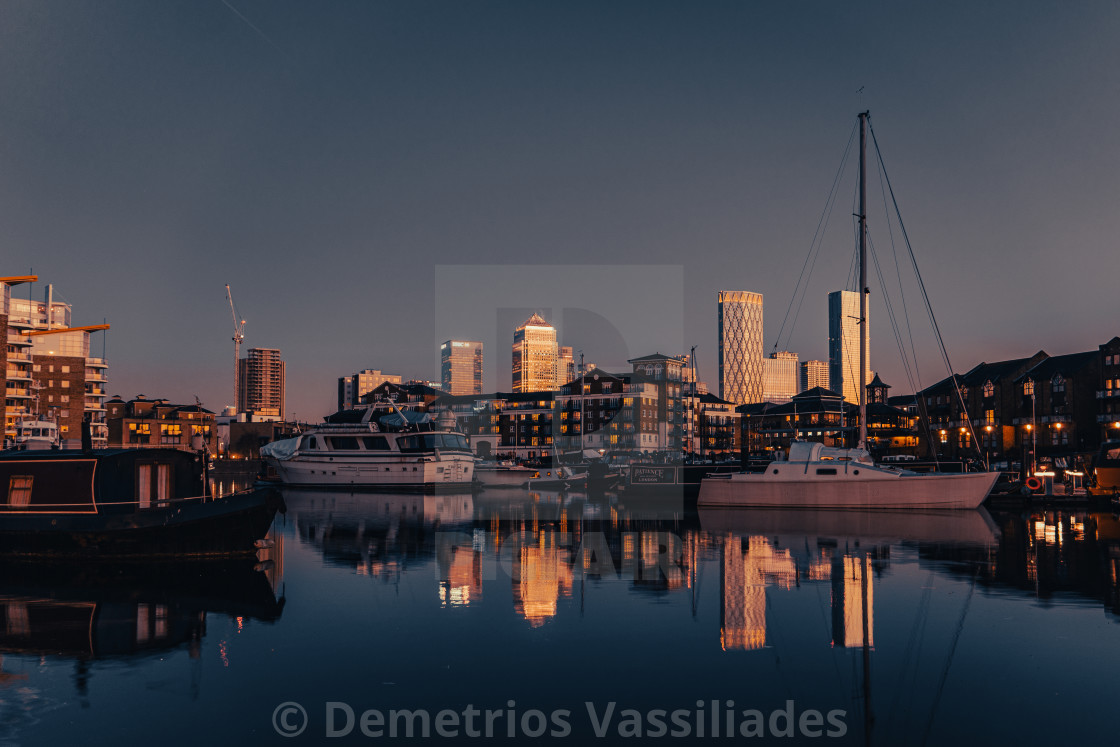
<point>170,433</point>
<point>65,384</point>
<point>989,388</point>
<point>66,369</point>
<point>1028,388</point>
<point>19,490</point>
<point>376,443</point>
<point>1057,384</point>
<point>826,470</point>
<point>343,443</point>
<point>989,417</point>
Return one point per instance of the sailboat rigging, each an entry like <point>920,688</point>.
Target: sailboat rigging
<point>817,476</point>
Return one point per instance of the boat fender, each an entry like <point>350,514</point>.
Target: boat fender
<point>1034,483</point>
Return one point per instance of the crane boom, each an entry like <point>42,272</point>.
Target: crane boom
<point>238,336</point>
<point>87,328</point>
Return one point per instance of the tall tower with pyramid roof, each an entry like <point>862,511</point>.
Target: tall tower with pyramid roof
<point>534,356</point>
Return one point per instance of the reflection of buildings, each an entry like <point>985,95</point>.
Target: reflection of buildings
<point>852,601</point>
<point>540,577</point>
<point>749,565</point>
<point>752,563</point>
<point>461,578</point>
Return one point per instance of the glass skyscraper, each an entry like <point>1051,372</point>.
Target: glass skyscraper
<point>461,366</point>
<point>843,344</point>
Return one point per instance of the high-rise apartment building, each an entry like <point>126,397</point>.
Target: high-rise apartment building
<point>740,346</point>
<point>844,330</point>
<point>565,367</point>
<point>461,366</point>
<point>814,374</point>
<point>534,356</point>
<point>53,375</point>
<point>779,377</point>
<point>261,390</point>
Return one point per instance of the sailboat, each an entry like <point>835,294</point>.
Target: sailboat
<point>817,476</point>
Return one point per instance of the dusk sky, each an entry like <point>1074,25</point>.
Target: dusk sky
<point>327,159</point>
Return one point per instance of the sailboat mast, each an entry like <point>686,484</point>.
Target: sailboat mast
<point>863,291</point>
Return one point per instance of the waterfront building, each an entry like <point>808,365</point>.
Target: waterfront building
<point>352,388</point>
<point>740,346</point>
<point>155,423</point>
<point>844,331</point>
<point>666,373</point>
<point>54,374</point>
<point>534,356</point>
<point>565,366</point>
<point>779,377</point>
<point>261,390</point>
<point>814,374</point>
<point>717,427</point>
<point>461,366</point>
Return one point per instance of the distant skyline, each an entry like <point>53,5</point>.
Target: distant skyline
<point>326,160</point>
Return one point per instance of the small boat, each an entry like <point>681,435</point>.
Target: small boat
<point>37,433</point>
<point>404,452</point>
<point>124,503</point>
<point>1106,470</point>
<point>506,474</point>
<point>816,476</point>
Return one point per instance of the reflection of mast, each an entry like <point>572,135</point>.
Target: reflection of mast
<point>868,719</point>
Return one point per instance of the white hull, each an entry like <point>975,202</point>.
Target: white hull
<point>450,470</point>
<point>856,486</point>
<point>503,477</point>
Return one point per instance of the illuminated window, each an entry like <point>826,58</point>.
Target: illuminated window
<point>989,389</point>
<point>19,490</point>
<point>990,417</point>
<point>1028,388</point>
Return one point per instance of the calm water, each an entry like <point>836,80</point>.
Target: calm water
<point>894,628</point>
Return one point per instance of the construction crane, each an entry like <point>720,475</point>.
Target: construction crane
<point>238,337</point>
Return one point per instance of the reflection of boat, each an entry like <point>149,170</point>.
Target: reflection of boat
<point>123,502</point>
<point>124,610</point>
<point>819,477</point>
<point>882,527</point>
<point>362,454</point>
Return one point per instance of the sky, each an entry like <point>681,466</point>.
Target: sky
<point>334,161</point>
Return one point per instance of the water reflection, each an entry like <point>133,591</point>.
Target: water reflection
<point>128,612</point>
<point>900,619</point>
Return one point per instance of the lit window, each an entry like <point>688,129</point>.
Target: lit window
<point>1028,388</point>
<point>19,490</point>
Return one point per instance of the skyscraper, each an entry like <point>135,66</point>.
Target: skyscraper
<point>565,367</point>
<point>779,377</point>
<point>843,344</point>
<point>261,390</point>
<point>740,346</point>
<point>461,366</point>
<point>534,356</point>
<point>352,388</point>
<point>814,374</point>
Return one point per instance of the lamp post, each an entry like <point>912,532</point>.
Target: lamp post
<point>1034,435</point>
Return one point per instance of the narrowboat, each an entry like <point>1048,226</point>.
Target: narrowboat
<point>124,503</point>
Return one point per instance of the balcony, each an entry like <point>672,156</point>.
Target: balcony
<point>25,357</point>
<point>96,363</point>
<point>18,374</point>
